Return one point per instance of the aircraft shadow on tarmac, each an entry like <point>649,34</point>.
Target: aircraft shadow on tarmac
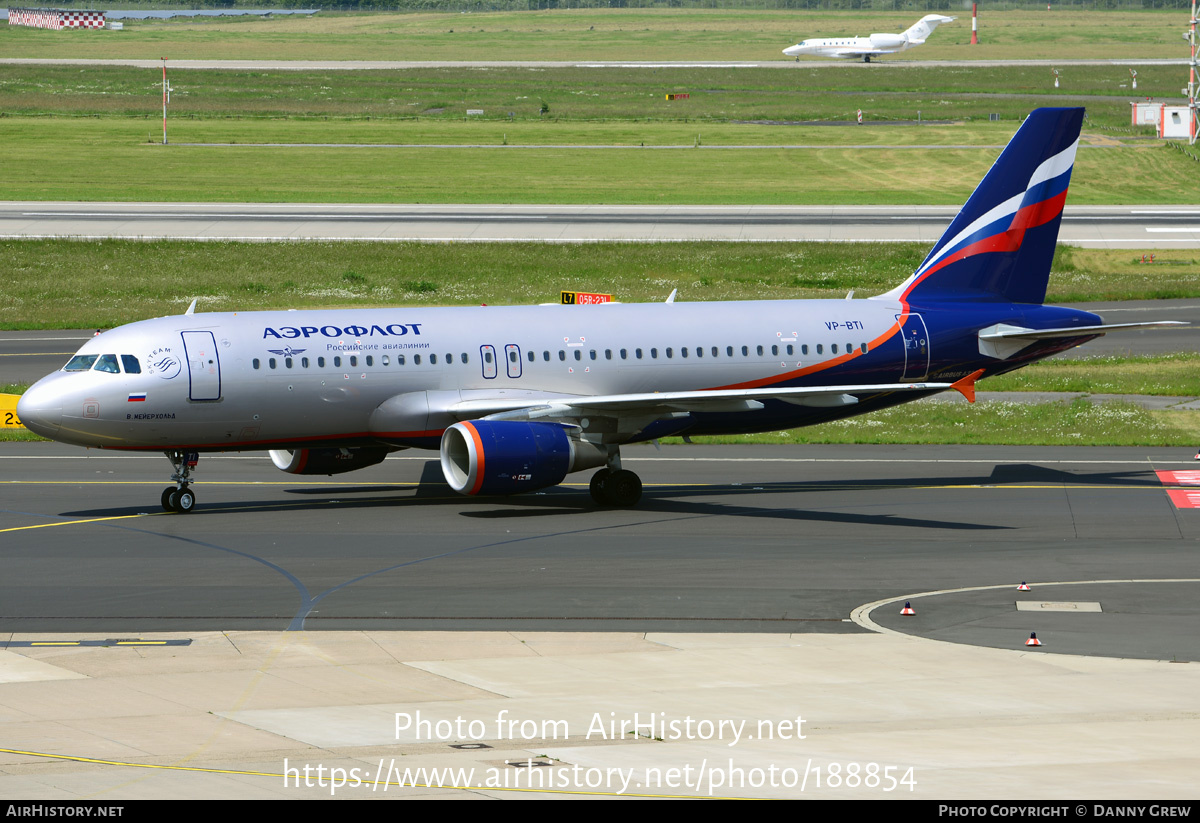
<point>432,490</point>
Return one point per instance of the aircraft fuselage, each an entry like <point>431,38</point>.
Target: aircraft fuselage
<point>269,380</point>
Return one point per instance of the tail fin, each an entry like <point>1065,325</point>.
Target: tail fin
<point>1001,244</point>
<point>924,27</point>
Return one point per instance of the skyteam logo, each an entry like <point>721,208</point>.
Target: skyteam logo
<point>163,364</point>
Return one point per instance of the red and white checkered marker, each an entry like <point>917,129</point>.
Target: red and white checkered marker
<point>1033,641</point>
<point>1024,587</point>
<point>908,609</point>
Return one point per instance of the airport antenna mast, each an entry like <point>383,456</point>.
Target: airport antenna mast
<point>166,97</point>
<point>1191,89</point>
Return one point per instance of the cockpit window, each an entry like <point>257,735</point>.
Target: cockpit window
<point>80,362</point>
<point>108,363</point>
<point>131,364</point>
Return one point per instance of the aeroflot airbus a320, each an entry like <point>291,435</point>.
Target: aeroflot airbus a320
<point>516,398</point>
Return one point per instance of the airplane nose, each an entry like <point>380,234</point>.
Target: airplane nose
<point>792,51</point>
<point>40,410</point>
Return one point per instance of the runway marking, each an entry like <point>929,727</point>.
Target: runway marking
<point>862,615</point>
<point>1188,478</point>
<point>75,522</point>
<point>1182,498</point>
<point>365,783</point>
<point>33,353</point>
<point>39,339</point>
<point>22,644</point>
<point>432,456</point>
<point>251,216</point>
<point>748,236</point>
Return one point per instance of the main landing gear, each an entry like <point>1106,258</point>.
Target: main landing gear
<point>180,498</point>
<point>616,487</point>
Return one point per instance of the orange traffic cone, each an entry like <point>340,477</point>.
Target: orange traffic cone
<point>1024,587</point>
<point>908,609</point>
<point>1033,641</point>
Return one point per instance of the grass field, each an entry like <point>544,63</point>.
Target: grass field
<point>1079,423</point>
<point>607,34</point>
<point>67,284</point>
<point>106,159</point>
<point>581,94</point>
<point>1169,375</point>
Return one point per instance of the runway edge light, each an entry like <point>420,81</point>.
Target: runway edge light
<point>1033,641</point>
<point>908,609</point>
<point>1024,587</point>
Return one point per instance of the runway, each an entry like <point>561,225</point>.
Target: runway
<point>375,65</point>
<point>1135,227</point>
<point>726,539</point>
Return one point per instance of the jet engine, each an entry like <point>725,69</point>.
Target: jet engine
<point>326,461</point>
<point>510,457</point>
<point>887,41</point>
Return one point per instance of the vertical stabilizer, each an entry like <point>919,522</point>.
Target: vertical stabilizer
<point>924,27</point>
<point>1001,244</point>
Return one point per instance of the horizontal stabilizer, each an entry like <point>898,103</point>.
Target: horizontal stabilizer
<point>1003,341</point>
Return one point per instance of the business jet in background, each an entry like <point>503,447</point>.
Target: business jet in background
<point>865,48</point>
<point>516,398</point>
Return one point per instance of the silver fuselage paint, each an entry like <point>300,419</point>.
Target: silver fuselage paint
<point>219,400</point>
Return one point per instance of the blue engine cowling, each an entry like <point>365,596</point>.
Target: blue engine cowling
<point>326,461</point>
<point>510,457</point>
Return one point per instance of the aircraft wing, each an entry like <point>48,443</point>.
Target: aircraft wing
<point>642,408</point>
<point>857,53</point>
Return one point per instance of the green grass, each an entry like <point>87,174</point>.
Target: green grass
<point>1079,423</point>
<point>93,284</point>
<point>1167,375</point>
<point>111,159</point>
<point>584,94</point>
<point>606,34</point>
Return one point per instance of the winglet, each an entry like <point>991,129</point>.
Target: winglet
<point>966,386</point>
<point>192,308</point>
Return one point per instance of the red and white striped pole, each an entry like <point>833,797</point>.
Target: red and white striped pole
<point>974,25</point>
<point>164,101</point>
<point>1194,116</point>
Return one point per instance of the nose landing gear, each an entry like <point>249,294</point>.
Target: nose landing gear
<point>180,498</point>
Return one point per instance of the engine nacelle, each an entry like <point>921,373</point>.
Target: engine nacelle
<point>887,41</point>
<point>510,457</point>
<point>326,461</point>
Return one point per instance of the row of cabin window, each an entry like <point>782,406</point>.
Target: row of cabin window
<point>684,352</point>
<point>352,361</point>
<point>638,354</point>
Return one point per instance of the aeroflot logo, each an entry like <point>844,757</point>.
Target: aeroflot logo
<point>392,330</point>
